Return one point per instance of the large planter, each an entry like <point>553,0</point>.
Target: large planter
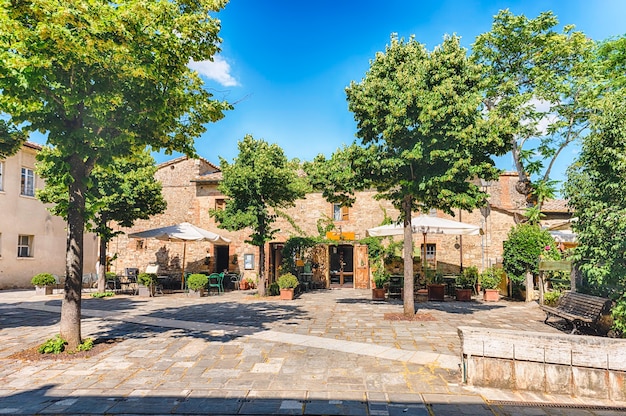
<point>491,295</point>
<point>146,291</point>
<point>286,294</point>
<point>378,293</point>
<point>196,293</point>
<point>464,295</point>
<point>436,291</point>
<point>243,285</point>
<point>43,290</point>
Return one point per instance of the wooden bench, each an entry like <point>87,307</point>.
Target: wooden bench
<point>579,309</point>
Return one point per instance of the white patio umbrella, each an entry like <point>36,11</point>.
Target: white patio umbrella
<point>426,224</point>
<point>181,232</point>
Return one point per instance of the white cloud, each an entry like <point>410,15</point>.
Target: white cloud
<point>218,70</point>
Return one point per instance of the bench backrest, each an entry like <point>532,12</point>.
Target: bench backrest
<point>583,305</point>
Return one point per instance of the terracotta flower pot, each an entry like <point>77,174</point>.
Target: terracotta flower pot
<point>378,293</point>
<point>286,294</point>
<point>491,295</point>
<point>436,291</point>
<point>243,285</point>
<point>464,295</point>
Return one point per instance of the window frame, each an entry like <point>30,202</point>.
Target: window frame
<point>24,182</point>
<point>28,246</point>
<point>1,175</point>
<point>340,212</point>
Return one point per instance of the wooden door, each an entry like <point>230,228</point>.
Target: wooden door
<point>361,267</point>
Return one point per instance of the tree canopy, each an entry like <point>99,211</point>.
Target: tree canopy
<point>104,80</point>
<point>423,137</point>
<point>260,181</point>
<point>121,192</point>
<point>541,82</point>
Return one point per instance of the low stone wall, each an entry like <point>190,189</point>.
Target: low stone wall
<point>583,366</point>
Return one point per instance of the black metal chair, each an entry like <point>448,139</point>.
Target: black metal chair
<point>394,290</point>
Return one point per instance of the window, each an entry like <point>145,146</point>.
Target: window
<point>431,254</point>
<point>1,172</point>
<point>25,246</point>
<point>28,182</point>
<point>220,204</point>
<point>340,213</point>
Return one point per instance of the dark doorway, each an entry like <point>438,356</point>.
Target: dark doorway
<point>341,266</point>
<point>221,258</point>
<point>276,259</point>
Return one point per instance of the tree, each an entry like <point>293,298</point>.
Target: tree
<point>422,136</point>
<point>524,246</point>
<point>540,81</point>
<point>122,192</point>
<point>104,80</point>
<point>596,188</point>
<point>259,182</point>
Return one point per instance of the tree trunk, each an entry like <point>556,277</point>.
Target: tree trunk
<point>70,308</point>
<point>261,283</point>
<point>102,265</point>
<point>530,287</point>
<point>409,303</point>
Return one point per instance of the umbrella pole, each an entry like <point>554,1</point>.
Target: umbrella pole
<point>424,258</point>
<point>182,273</point>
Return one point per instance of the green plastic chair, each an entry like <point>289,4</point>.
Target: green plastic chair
<point>216,280</point>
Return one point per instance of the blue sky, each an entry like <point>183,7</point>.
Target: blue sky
<point>285,63</point>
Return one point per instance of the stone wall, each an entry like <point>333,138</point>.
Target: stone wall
<point>584,366</point>
<point>191,191</point>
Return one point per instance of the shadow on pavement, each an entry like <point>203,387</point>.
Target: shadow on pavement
<point>213,402</point>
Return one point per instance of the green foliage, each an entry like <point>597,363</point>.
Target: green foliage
<point>469,277</point>
<point>273,289</point>
<point>104,80</point>
<point>296,247</point>
<point>550,298</point>
<point>110,275</point>
<point>535,76</point>
<point>491,277</point>
<point>100,295</point>
<point>86,345</point>
<point>197,281</point>
<point>54,345</point>
<point>380,278</point>
<point>619,315</point>
<point>43,279</point>
<point>147,279</point>
<point>287,281</point>
<point>258,182</point>
<point>525,245</point>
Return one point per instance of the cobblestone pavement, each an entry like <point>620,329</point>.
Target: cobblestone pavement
<point>329,352</point>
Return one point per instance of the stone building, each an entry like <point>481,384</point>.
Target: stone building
<point>32,240</point>
<point>190,188</point>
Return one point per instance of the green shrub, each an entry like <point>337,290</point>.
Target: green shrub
<point>86,345</point>
<point>99,295</point>
<point>273,289</point>
<point>147,279</point>
<point>287,281</point>
<point>380,278</point>
<point>525,244</point>
<point>54,345</point>
<point>43,279</point>
<point>469,277</point>
<point>197,281</point>
<point>550,298</point>
<point>491,277</point>
<point>110,275</point>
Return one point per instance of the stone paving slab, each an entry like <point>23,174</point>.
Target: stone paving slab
<point>327,352</point>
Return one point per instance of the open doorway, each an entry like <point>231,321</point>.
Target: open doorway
<point>221,258</point>
<point>341,266</point>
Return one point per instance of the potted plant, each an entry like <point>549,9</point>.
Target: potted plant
<point>378,291</point>
<point>465,284</point>
<point>436,288</point>
<point>251,282</point>
<point>43,283</point>
<point>197,283</point>
<point>490,279</point>
<point>147,284</point>
<point>287,283</point>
